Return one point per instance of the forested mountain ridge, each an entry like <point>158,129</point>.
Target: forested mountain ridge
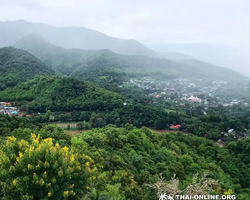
<point>61,59</point>
<point>61,94</point>
<point>17,65</point>
<point>83,38</point>
<point>93,64</point>
<point>71,37</point>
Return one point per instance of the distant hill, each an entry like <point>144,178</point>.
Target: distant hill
<point>71,37</point>
<point>212,70</point>
<point>17,65</point>
<point>61,94</point>
<point>229,56</point>
<point>92,64</point>
<point>175,56</point>
<point>61,59</point>
<point>78,62</point>
<point>86,39</point>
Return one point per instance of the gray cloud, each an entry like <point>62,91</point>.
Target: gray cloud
<point>27,4</point>
<point>159,21</point>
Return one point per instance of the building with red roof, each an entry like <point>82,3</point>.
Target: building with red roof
<point>175,126</point>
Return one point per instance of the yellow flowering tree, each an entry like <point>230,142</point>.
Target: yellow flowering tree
<point>42,170</point>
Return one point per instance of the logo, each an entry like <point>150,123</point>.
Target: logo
<point>165,197</point>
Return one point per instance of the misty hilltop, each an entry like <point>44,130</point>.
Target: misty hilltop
<point>230,56</point>
<point>35,37</point>
<point>78,37</point>
<point>71,37</point>
<point>91,64</point>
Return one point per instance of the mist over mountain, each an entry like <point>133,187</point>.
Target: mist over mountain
<point>232,57</point>
<point>71,37</point>
<point>69,45</point>
<point>78,37</point>
<point>175,56</point>
<point>91,64</point>
<point>82,38</point>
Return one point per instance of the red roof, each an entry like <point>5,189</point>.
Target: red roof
<point>175,126</point>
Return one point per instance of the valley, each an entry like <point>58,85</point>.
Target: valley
<point>99,118</point>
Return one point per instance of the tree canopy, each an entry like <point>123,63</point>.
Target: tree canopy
<point>17,66</point>
<point>61,94</point>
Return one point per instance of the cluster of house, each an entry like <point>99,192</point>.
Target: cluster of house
<point>8,109</point>
<point>232,134</point>
<point>166,85</point>
<point>179,90</point>
<point>165,88</point>
<point>231,103</point>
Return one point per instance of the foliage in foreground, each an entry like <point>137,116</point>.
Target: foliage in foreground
<point>42,170</point>
<point>124,161</point>
<point>199,186</point>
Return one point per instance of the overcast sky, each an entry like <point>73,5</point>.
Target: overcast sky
<point>149,21</point>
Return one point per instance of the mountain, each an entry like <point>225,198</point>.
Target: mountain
<point>71,37</point>
<point>82,38</point>
<point>77,62</point>
<point>211,70</point>
<point>93,64</point>
<point>233,57</point>
<point>175,56</point>
<point>59,58</point>
<point>17,65</point>
<point>61,94</point>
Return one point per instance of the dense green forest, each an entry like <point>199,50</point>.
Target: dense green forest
<point>114,163</point>
<point>141,114</point>
<point>61,94</point>
<point>17,66</point>
<point>96,107</point>
<point>53,96</point>
<point>68,99</point>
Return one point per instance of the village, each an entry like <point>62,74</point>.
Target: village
<point>181,91</point>
<point>8,108</point>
